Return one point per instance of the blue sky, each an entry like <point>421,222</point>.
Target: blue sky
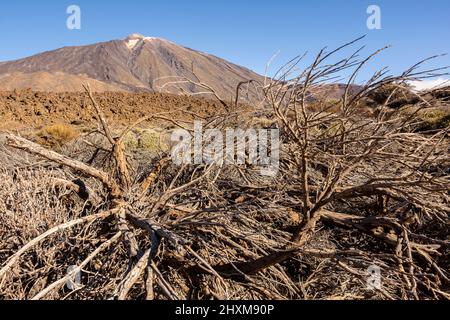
<point>246,32</point>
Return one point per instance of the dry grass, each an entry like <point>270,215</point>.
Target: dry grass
<point>56,136</point>
<point>435,119</point>
<point>428,119</point>
<point>146,140</point>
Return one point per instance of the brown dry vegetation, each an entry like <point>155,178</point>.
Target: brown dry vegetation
<point>352,191</point>
<point>57,135</point>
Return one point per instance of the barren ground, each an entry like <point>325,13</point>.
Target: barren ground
<point>28,109</point>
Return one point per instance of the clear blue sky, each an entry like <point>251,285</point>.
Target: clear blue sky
<point>246,32</point>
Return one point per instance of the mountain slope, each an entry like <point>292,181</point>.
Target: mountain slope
<point>53,82</point>
<point>136,63</point>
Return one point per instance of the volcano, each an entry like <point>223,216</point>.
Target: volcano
<point>134,64</point>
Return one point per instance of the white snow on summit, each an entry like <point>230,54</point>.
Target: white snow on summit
<point>132,43</point>
<point>134,39</point>
<point>423,85</point>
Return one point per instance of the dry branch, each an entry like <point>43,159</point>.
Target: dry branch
<point>13,259</point>
<point>215,231</point>
<point>33,148</point>
<point>70,275</point>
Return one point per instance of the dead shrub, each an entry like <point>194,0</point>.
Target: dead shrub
<point>146,140</point>
<point>393,95</point>
<point>351,193</point>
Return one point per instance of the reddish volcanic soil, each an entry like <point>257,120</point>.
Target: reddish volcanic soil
<point>28,109</point>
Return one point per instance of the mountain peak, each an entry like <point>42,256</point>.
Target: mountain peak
<point>136,38</point>
<point>135,63</point>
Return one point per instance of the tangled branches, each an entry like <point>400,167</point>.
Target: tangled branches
<point>353,190</point>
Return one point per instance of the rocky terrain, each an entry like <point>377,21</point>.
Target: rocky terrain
<point>21,109</point>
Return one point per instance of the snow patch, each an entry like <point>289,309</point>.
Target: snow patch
<point>135,36</point>
<point>134,39</point>
<point>423,85</point>
<point>132,43</point>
